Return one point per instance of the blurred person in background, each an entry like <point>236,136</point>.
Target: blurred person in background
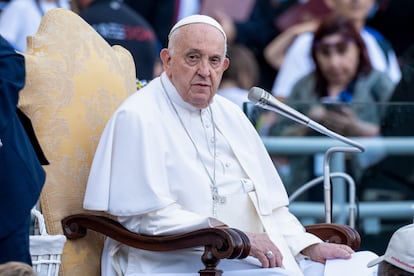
<point>16,269</point>
<point>22,176</point>
<point>256,32</point>
<point>398,259</point>
<point>118,24</point>
<point>240,76</point>
<point>392,178</point>
<point>298,60</point>
<point>340,93</point>
<point>21,18</point>
<point>394,19</point>
<point>163,14</point>
<point>301,18</point>
<point>275,51</point>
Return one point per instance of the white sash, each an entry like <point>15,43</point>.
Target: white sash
<point>241,212</point>
<point>271,228</point>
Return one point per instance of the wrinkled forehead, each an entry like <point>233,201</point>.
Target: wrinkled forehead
<point>199,30</point>
<point>199,35</point>
<point>200,38</point>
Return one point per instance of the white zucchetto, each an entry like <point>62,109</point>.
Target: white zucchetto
<point>199,18</point>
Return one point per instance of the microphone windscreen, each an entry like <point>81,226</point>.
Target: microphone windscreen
<point>255,94</point>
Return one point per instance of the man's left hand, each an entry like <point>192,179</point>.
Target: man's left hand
<point>320,252</point>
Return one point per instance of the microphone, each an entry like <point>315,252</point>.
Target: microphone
<point>264,99</point>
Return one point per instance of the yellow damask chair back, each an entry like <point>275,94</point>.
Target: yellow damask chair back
<point>74,82</point>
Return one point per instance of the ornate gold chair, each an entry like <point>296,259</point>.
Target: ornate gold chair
<point>75,80</point>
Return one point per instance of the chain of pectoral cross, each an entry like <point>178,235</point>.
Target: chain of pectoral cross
<point>216,197</point>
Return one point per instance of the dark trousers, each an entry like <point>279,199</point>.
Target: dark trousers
<point>16,246</point>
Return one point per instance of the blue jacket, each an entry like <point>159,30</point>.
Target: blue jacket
<point>21,174</point>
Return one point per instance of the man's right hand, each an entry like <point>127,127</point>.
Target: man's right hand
<point>261,245</point>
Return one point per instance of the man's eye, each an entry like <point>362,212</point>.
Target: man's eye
<point>215,62</point>
<point>192,59</point>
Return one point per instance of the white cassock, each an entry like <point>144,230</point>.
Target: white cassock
<point>147,172</point>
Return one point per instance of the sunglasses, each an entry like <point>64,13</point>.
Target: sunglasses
<point>339,47</point>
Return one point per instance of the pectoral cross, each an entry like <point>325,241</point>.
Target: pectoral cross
<point>217,199</point>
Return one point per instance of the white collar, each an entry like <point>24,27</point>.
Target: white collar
<point>175,95</point>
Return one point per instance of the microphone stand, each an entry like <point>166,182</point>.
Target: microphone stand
<point>317,180</point>
<point>266,101</point>
<point>327,187</point>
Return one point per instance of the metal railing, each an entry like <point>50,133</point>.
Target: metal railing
<point>369,212</point>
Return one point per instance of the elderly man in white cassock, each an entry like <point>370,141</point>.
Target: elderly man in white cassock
<point>177,157</point>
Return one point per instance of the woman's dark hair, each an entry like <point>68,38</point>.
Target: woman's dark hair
<point>331,25</point>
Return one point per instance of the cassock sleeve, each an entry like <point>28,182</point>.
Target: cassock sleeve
<point>293,231</point>
<point>167,221</point>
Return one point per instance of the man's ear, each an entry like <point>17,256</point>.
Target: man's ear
<point>165,58</point>
<point>226,64</point>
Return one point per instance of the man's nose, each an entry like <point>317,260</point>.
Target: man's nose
<point>204,68</point>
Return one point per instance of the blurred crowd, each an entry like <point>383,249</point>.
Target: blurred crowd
<point>271,29</point>
<point>326,57</point>
<point>347,64</point>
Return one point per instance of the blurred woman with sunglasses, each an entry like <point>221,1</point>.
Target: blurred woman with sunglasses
<point>343,93</point>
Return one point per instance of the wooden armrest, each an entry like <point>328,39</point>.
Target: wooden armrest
<point>219,243</point>
<point>336,233</point>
